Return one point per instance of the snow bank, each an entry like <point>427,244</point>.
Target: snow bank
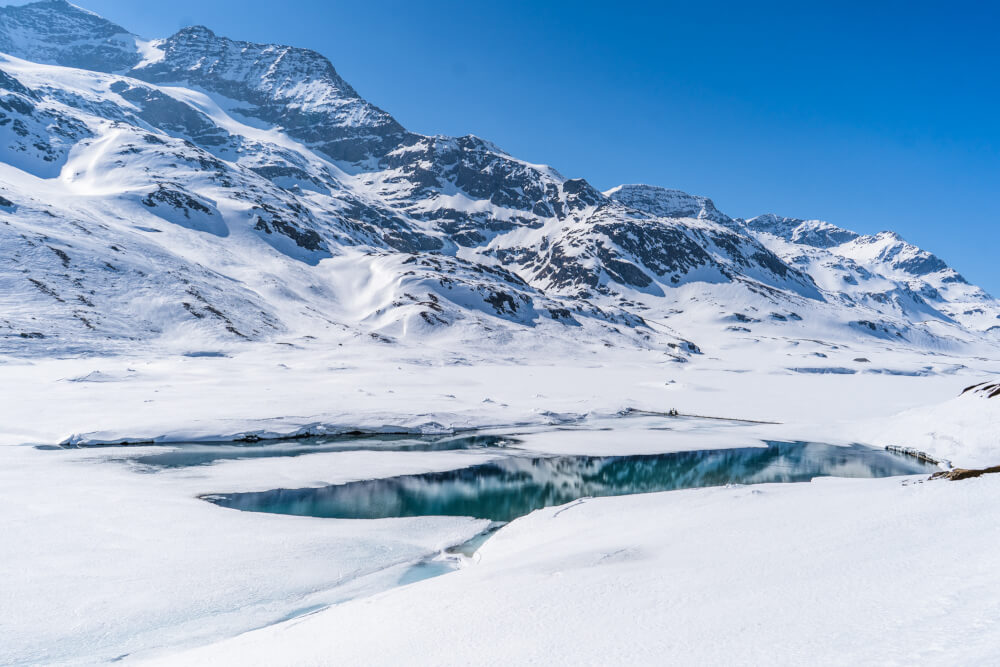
<point>964,430</point>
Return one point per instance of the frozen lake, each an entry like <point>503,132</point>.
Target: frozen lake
<point>297,525</point>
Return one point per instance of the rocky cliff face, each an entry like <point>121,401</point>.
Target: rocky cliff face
<point>59,33</point>
<point>295,89</point>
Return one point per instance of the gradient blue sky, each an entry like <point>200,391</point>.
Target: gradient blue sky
<point>870,115</point>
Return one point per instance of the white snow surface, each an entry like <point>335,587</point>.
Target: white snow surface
<point>103,559</point>
<point>964,431</point>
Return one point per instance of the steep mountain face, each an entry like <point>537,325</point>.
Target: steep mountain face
<point>198,185</point>
<point>57,33</point>
<point>295,89</point>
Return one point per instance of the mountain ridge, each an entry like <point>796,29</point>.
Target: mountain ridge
<point>266,150</point>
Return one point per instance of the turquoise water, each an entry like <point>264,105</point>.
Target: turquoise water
<point>505,489</point>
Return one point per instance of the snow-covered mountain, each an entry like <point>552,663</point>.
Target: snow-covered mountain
<point>201,188</point>
<point>880,270</point>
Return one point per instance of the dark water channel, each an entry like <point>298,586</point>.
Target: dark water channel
<point>184,455</point>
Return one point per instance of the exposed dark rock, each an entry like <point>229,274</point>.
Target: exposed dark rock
<point>176,198</point>
<point>957,474</point>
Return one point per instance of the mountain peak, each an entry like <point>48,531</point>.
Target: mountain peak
<point>667,203</point>
<point>890,250</point>
<point>196,31</point>
<point>63,17</point>
<point>61,5</point>
<point>815,233</point>
<point>60,33</point>
<point>296,89</point>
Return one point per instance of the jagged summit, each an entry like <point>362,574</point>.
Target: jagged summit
<point>196,31</point>
<point>667,203</point>
<point>58,32</point>
<point>296,89</point>
<point>816,233</point>
<point>54,5</point>
<point>887,249</point>
<point>893,253</point>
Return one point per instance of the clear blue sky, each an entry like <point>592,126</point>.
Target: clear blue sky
<point>870,115</point>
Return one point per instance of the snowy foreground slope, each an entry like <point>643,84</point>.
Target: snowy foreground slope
<point>102,559</point>
<point>833,572</point>
<point>207,239</point>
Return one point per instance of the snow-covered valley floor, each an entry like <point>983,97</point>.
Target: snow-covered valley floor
<point>103,559</point>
